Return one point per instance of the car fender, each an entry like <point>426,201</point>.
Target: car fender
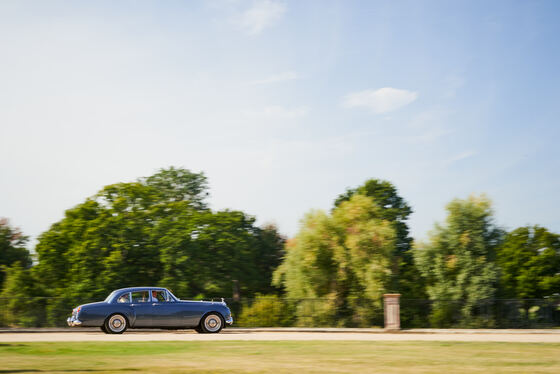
<point>220,309</point>
<point>125,310</point>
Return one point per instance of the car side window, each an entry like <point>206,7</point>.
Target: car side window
<point>160,296</point>
<point>124,298</point>
<point>140,297</point>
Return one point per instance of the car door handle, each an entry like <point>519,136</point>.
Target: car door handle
<point>154,304</point>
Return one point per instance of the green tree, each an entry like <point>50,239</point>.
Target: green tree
<point>529,261</point>
<point>393,208</point>
<point>405,279</point>
<point>204,253</point>
<point>269,255</point>
<point>343,258</point>
<point>102,243</point>
<point>458,260</point>
<point>156,231</point>
<point>22,298</point>
<point>12,247</point>
<point>176,184</point>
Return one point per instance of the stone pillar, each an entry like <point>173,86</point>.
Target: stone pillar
<point>392,311</point>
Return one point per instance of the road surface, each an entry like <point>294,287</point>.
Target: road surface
<point>550,336</point>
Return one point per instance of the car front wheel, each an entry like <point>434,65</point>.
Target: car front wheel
<point>116,324</point>
<point>212,323</point>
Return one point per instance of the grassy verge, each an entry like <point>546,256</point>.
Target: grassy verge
<point>280,357</point>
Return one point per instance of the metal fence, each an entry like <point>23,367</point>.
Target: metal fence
<point>491,313</point>
<point>276,311</point>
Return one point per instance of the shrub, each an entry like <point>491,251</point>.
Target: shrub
<point>266,311</point>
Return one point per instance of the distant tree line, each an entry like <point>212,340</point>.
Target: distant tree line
<point>159,230</point>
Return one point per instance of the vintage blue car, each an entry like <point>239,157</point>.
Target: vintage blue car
<point>151,307</point>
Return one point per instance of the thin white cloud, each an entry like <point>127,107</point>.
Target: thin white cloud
<point>262,14</point>
<point>276,78</point>
<point>379,101</point>
<point>428,126</point>
<point>460,156</point>
<point>277,112</point>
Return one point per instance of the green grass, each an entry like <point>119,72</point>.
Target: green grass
<point>279,357</point>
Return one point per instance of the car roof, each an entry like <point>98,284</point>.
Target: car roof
<point>132,289</point>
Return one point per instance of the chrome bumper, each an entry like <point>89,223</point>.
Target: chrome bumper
<point>229,320</point>
<point>72,321</point>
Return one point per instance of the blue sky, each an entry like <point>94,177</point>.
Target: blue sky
<point>283,104</point>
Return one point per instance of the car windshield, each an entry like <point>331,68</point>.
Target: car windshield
<point>172,297</point>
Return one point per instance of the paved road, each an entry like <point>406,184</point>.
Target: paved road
<point>187,335</point>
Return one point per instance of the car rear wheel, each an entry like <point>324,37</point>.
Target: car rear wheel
<point>116,324</point>
<point>104,329</point>
<point>212,323</point>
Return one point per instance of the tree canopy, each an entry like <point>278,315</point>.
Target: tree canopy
<point>156,231</point>
<point>529,261</point>
<point>457,261</point>
<point>393,208</point>
<point>405,277</point>
<point>343,257</point>
<point>22,294</point>
<point>12,248</point>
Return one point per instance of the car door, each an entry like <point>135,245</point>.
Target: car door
<point>167,311</point>
<point>142,307</point>
<point>192,312</point>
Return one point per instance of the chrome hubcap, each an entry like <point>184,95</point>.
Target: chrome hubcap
<point>212,323</point>
<point>117,323</point>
